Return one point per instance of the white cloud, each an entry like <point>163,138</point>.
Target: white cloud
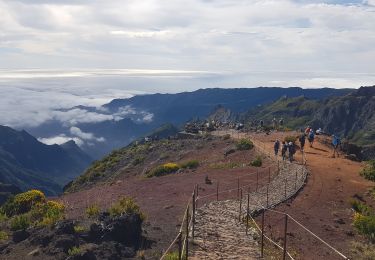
<point>60,139</point>
<point>75,131</point>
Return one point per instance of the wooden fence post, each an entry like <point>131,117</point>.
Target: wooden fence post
<point>196,202</point>
<point>187,234</point>
<point>285,188</point>
<point>239,216</point>
<point>247,212</point>
<point>217,191</point>
<point>269,174</point>
<point>180,246</point>
<point>193,217</point>
<point>262,239</point>
<point>238,188</point>
<point>285,232</point>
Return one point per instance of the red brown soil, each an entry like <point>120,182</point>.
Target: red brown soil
<point>163,199</point>
<point>323,204</point>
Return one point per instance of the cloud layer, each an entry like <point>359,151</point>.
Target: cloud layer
<point>134,47</point>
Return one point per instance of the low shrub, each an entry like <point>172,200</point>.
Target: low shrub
<point>23,202</point>
<point>79,229</point>
<point>163,169</point>
<point>290,138</point>
<point>368,172</point>
<point>3,217</point>
<point>362,251</point>
<point>20,222</point>
<point>257,162</point>
<point>360,207</point>
<point>74,251</point>
<point>125,205</point>
<point>49,213</point>
<point>192,164</point>
<point>172,256</point>
<point>3,236</point>
<point>92,211</point>
<point>365,225</point>
<point>244,144</point>
<point>226,137</point>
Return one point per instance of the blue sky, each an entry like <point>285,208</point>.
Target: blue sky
<point>56,54</point>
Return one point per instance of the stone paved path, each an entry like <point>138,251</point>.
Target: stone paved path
<point>219,234</point>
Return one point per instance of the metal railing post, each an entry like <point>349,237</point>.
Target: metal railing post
<point>285,233</point>
<point>267,196</point>
<point>262,238</point>
<point>285,189</point>
<point>247,212</point>
<point>269,174</point>
<point>196,202</point>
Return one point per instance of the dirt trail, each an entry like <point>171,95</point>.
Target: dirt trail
<point>323,205</point>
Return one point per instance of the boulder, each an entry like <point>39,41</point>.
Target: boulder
<point>64,227</point>
<point>20,235</point>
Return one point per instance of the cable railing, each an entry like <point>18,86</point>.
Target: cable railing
<point>264,188</point>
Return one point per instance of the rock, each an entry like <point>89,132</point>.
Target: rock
<point>96,232</point>
<point>126,229</point>
<point>20,235</point>
<point>65,227</point>
<point>65,243</point>
<point>229,150</point>
<point>339,221</point>
<point>351,157</point>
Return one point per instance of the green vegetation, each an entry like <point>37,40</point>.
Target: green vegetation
<point>79,229</point>
<point>125,205</point>
<point>23,202</point>
<point>257,162</point>
<point>226,137</point>
<point>92,211</point>
<point>3,236</point>
<point>368,172</point>
<point>168,168</point>
<point>74,251</point>
<point>362,251</point>
<point>173,256</point>
<point>31,209</point>
<point>192,164</point>
<point>364,219</point>
<point>20,222</point>
<point>244,144</point>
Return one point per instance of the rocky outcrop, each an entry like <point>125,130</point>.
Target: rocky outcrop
<point>107,238</point>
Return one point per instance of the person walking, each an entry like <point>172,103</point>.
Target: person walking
<point>291,150</point>
<point>335,142</point>
<point>283,150</point>
<point>276,147</point>
<point>302,140</point>
<point>311,137</point>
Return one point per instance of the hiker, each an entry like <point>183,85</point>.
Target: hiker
<point>281,122</point>
<point>292,151</point>
<point>283,150</point>
<point>311,137</point>
<point>276,147</point>
<point>335,142</point>
<point>261,123</point>
<point>274,123</point>
<point>307,130</point>
<point>302,140</point>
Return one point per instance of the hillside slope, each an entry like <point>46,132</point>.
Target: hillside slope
<point>28,163</point>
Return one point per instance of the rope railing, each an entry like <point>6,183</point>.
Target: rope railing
<point>188,220</point>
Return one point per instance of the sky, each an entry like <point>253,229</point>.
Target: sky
<point>58,54</point>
